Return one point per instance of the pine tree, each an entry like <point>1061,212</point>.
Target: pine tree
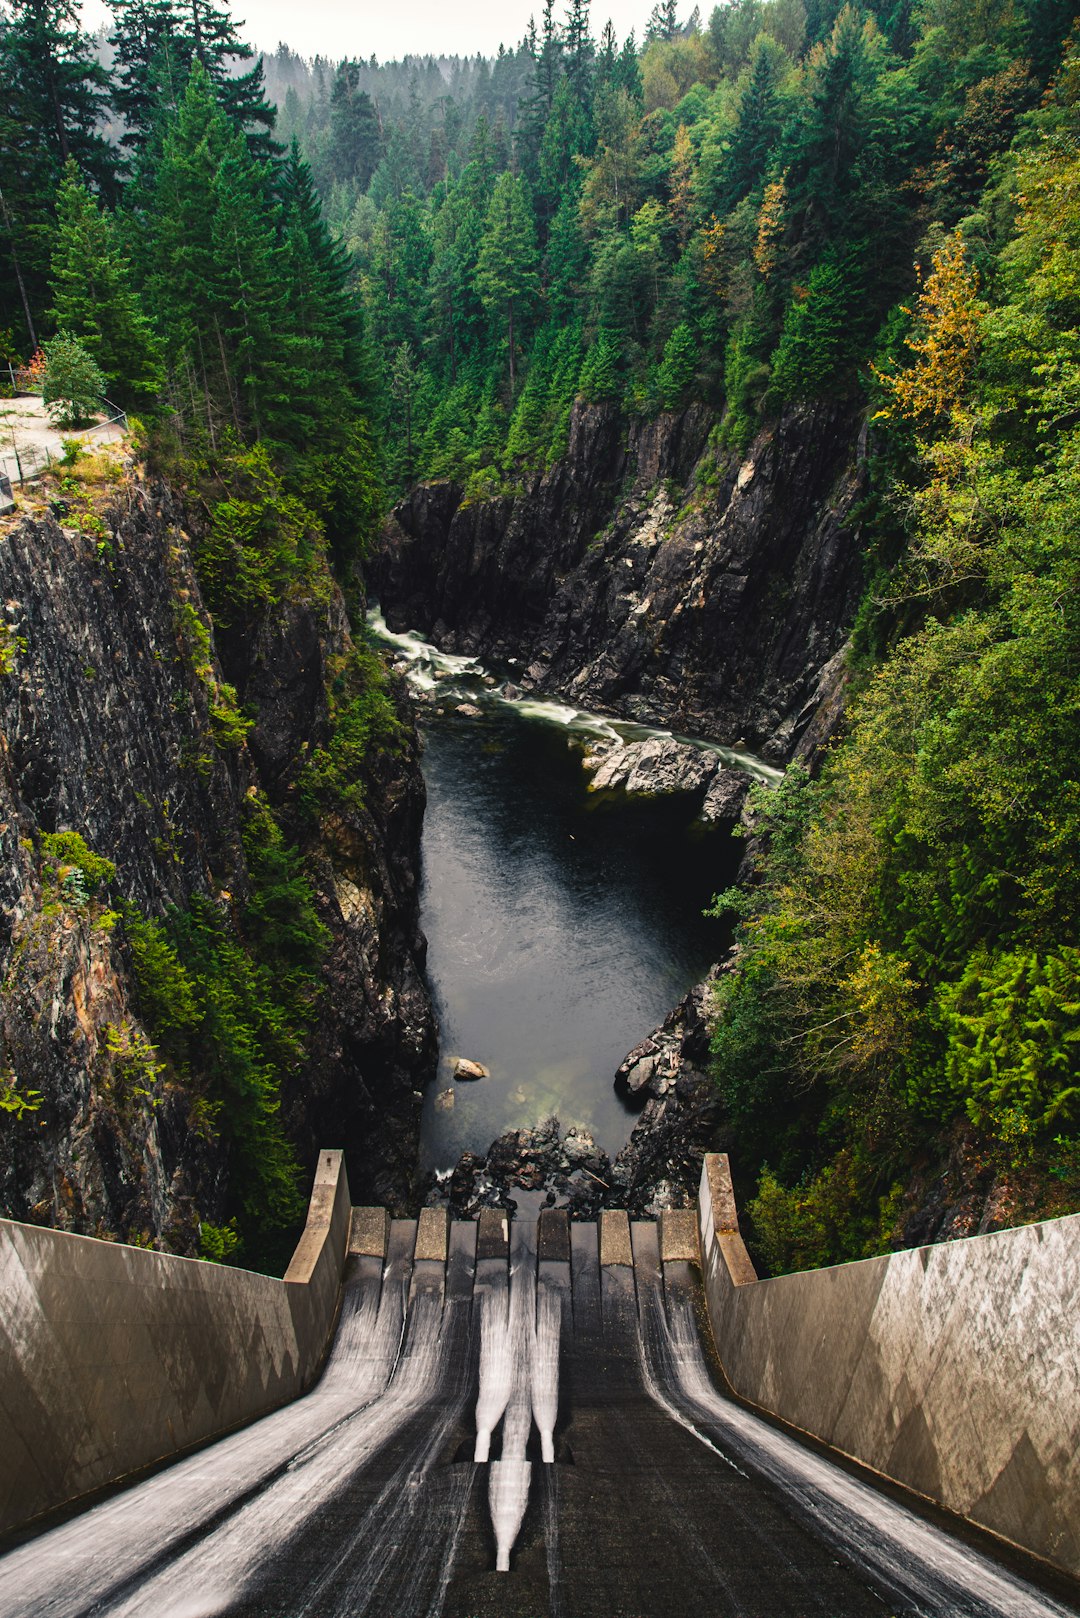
<point>580,50</point>
<point>662,23</point>
<point>54,97</point>
<point>181,253</point>
<point>506,273</point>
<point>151,63</point>
<point>817,335</point>
<point>405,377</point>
<point>600,370</point>
<point>94,297</point>
<point>678,366</point>
<point>566,259</point>
<point>752,142</point>
<point>73,386</point>
<point>355,137</point>
<point>155,43</point>
<point>248,297</point>
<point>51,73</point>
<point>328,315</point>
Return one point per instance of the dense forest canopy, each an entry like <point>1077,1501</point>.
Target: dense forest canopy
<point>414,270</point>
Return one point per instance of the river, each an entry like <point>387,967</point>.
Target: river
<point>562,926</point>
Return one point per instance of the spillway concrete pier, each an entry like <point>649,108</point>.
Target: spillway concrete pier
<point>515,1418</point>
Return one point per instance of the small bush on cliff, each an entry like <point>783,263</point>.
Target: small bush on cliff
<point>79,872</point>
<point>262,540</point>
<point>364,720</point>
<point>73,385</point>
<point>220,1244</point>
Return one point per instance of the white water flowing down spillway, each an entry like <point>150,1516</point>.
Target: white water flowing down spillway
<point>619,1479</point>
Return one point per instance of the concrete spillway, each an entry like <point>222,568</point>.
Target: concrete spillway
<point>509,1427</point>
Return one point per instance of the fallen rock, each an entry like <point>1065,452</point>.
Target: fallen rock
<point>727,793</point>
<point>573,1171</point>
<point>654,768</point>
<point>464,1069</point>
<point>639,1068</point>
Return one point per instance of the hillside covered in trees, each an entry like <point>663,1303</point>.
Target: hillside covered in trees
<point>418,268</point>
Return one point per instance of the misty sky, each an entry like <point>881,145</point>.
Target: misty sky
<point>362,27</point>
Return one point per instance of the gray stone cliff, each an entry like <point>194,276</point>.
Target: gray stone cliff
<point>652,574</point>
<point>106,730</point>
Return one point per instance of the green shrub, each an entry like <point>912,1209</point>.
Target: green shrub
<point>364,721</point>
<point>73,384</point>
<point>219,1244</point>
<point>81,872</point>
<point>1012,1029</point>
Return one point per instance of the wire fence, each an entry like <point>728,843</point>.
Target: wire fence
<point>30,460</point>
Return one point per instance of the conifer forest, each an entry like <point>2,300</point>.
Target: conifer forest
<point>315,284</point>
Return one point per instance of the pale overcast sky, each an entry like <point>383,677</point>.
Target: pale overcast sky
<point>360,27</point>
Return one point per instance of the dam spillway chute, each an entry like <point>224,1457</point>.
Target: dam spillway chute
<point>619,1477</point>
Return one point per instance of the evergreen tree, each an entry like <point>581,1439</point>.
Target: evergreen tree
<point>679,365</point>
<point>94,297</point>
<point>662,23</point>
<point>72,387</point>
<point>547,71</point>
<point>155,44</point>
<point>328,317</point>
<point>52,75</point>
<point>817,335</point>
<point>506,272</point>
<point>752,143</point>
<point>580,50</point>
<point>355,138</point>
<point>186,253</point>
<point>150,64</point>
<point>600,373</point>
<point>247,295</point>
<point>566,259</point>
<point>54,99</point>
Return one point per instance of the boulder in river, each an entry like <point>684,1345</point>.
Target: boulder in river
<point>654,768</point>
<point>464,1069</point>
<point>726,795</point>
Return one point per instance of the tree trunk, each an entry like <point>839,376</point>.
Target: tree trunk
<point>510,311</point>
<point>18,271</point>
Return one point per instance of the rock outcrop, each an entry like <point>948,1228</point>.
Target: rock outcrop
<point>662,767</point>
<point>660,1165</point>
<point>650,574</point>
<point>111,728</point>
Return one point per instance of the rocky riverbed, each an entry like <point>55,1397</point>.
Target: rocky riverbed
<point>660,1165</point>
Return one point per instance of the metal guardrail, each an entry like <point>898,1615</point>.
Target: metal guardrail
<point>32,460</point>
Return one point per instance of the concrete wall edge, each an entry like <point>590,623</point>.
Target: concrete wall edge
<point>938,1370</point>
<point>212,1348</point>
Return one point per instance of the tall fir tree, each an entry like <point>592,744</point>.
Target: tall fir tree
<point>155,43</point>
<point>55,95</point>
<point>507,269</point>
<point>94,297</point>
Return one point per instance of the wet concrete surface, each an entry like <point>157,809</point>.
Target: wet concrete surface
<point>664,1500</point>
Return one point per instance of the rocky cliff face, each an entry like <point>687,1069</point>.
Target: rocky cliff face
<point>652,575</point>
<point>109,730</point>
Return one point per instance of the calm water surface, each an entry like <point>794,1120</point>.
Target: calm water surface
<point>561,929</point>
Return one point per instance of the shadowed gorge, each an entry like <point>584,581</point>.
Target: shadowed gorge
<point>540,697</point>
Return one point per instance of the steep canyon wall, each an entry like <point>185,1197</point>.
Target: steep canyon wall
<point>652,573</point>
<point>108,729</point>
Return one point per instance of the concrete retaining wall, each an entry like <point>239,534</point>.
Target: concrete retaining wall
<point>113,1357</point>
<point>953,1369</point>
